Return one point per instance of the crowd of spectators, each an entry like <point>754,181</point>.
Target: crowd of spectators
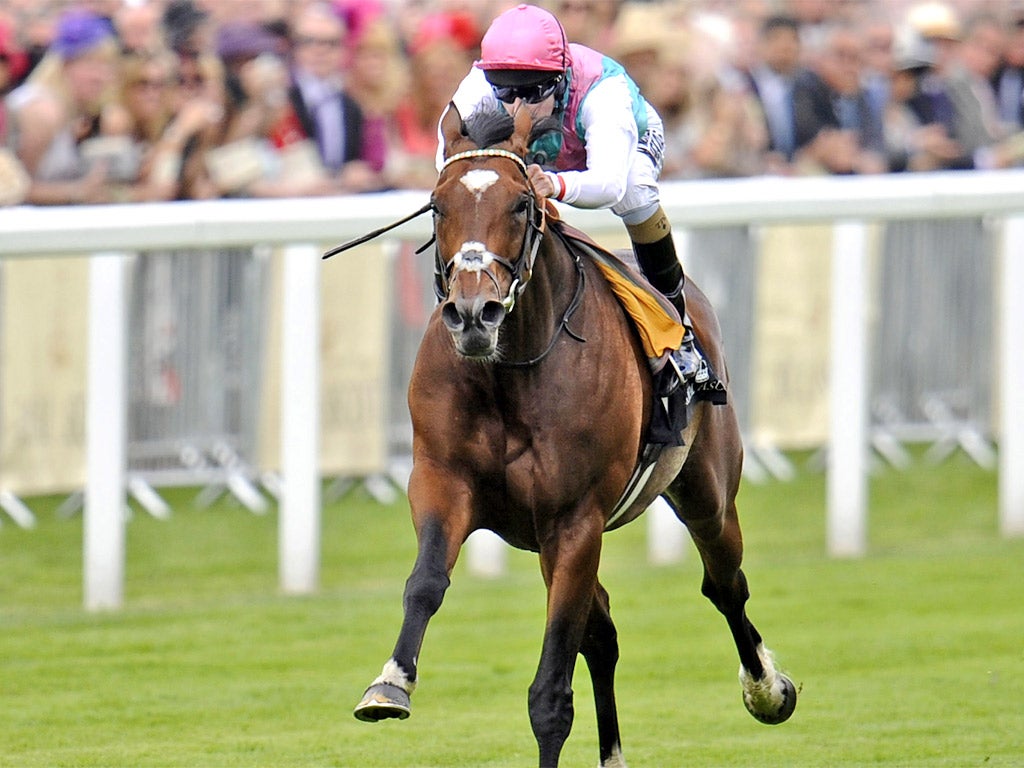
<point>142,100</point>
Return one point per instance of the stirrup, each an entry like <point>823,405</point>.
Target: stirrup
<point>688,362</point>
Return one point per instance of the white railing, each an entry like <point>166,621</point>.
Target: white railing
<point>110,234</point>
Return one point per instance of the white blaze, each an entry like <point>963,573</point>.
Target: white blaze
<point>478,181</point>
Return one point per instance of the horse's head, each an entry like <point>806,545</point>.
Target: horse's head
<point>488,225</point>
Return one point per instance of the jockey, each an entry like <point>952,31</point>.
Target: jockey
<point>609,151</point>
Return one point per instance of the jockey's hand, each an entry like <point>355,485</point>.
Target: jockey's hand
<point>541,182</point>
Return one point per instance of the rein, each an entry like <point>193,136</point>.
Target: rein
<point>378,232</point>
<point>563,324</point>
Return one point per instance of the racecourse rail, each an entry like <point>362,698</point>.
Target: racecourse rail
<point>111,235</point>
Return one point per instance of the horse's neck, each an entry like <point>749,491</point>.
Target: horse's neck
<point>540,307</point>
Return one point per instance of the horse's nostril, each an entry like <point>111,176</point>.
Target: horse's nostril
<point>451,316</point>
<point>492,313</point>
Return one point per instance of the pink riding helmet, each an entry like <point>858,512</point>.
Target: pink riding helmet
<point>524,37</point>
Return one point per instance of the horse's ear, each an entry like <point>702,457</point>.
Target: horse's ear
<point>453,127</point>
<point>521,134</point>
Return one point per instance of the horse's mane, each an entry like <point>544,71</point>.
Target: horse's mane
<point>488,127</point>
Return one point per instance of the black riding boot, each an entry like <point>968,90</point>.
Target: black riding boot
<point>659,263</point>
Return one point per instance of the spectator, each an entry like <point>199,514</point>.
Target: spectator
<point>187,29</point>
<point>1009,80</point>
<point>976,110</point>
<point>640,33</point>
<point>589,22</point>
<point>61,105</point>
<point>837,130</point>
<point>878,59</point>
<point>713,124</point>
<point>938,23</point>
<point>377,79</point>
<point>138,28</point>
<point>320,111</point>
<point>13,63</point>
<point>14,180</point>
<point>771,81</point>
<point>440,53</point>
<point>247,163</point>
<point>161,128</point>
<point>189,32</point>
<point>914,142</point>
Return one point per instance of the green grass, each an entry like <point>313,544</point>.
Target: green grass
<point>912,656</point>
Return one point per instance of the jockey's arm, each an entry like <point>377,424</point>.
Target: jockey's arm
<point>610,133</point>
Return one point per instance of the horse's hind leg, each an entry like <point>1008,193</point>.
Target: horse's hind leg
<point>600,648</point>
<point>768,694</point>
<point>388,695</point>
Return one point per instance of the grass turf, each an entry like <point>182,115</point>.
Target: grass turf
<point>911,656</point>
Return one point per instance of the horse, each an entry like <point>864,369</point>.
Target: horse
<point>530,399</point>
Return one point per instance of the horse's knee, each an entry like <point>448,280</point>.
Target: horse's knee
<point>551,713</point>
<point>425,590</point>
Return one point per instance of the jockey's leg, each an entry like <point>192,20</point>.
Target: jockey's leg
<point>656,254</point>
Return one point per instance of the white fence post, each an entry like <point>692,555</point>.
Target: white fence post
<point>106,432</point>
<point>299,521</point>
<point>666,536</point>
<point>486,554</point>
<point>1011,433</point>
<point>848,394</point>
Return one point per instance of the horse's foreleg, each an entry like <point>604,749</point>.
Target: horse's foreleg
<point>600,648</point>
<point>388,695</point>
<point>569,563</point>
<point>768,694</point>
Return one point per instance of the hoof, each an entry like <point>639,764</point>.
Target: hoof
<point>382,701</point>
<point>767,709</point>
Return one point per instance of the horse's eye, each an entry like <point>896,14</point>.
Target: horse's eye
<point>522,205</point>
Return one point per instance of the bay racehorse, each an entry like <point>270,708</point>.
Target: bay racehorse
<point>530,402</point>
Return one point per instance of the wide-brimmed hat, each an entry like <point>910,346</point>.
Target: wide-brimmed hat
<point>240,40</point>
<point>935,20</point>
<point>642,28</point>
<point>79,32</point>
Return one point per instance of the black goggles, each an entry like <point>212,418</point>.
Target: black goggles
<point>530,94</point>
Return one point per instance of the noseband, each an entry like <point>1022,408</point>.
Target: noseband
<point>474,257</point>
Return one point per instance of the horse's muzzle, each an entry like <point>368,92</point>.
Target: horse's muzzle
<point>473,323</point>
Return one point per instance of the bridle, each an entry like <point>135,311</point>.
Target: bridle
<point>478,259</point>
<point>473,258</point>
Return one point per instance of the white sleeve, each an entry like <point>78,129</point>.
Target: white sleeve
<point>610,133</point>
<point>473,93</point>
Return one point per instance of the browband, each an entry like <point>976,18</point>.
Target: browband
<point>487,153</point>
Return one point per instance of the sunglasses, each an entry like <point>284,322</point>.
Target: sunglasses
<point>149,84</point>
<point>530,94</point>
<point>322,42</point>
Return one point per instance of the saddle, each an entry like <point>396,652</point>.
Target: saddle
<point>660,329</point>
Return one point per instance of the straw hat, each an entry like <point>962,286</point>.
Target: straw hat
<point>640,28</point>
<point>934,20</point>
